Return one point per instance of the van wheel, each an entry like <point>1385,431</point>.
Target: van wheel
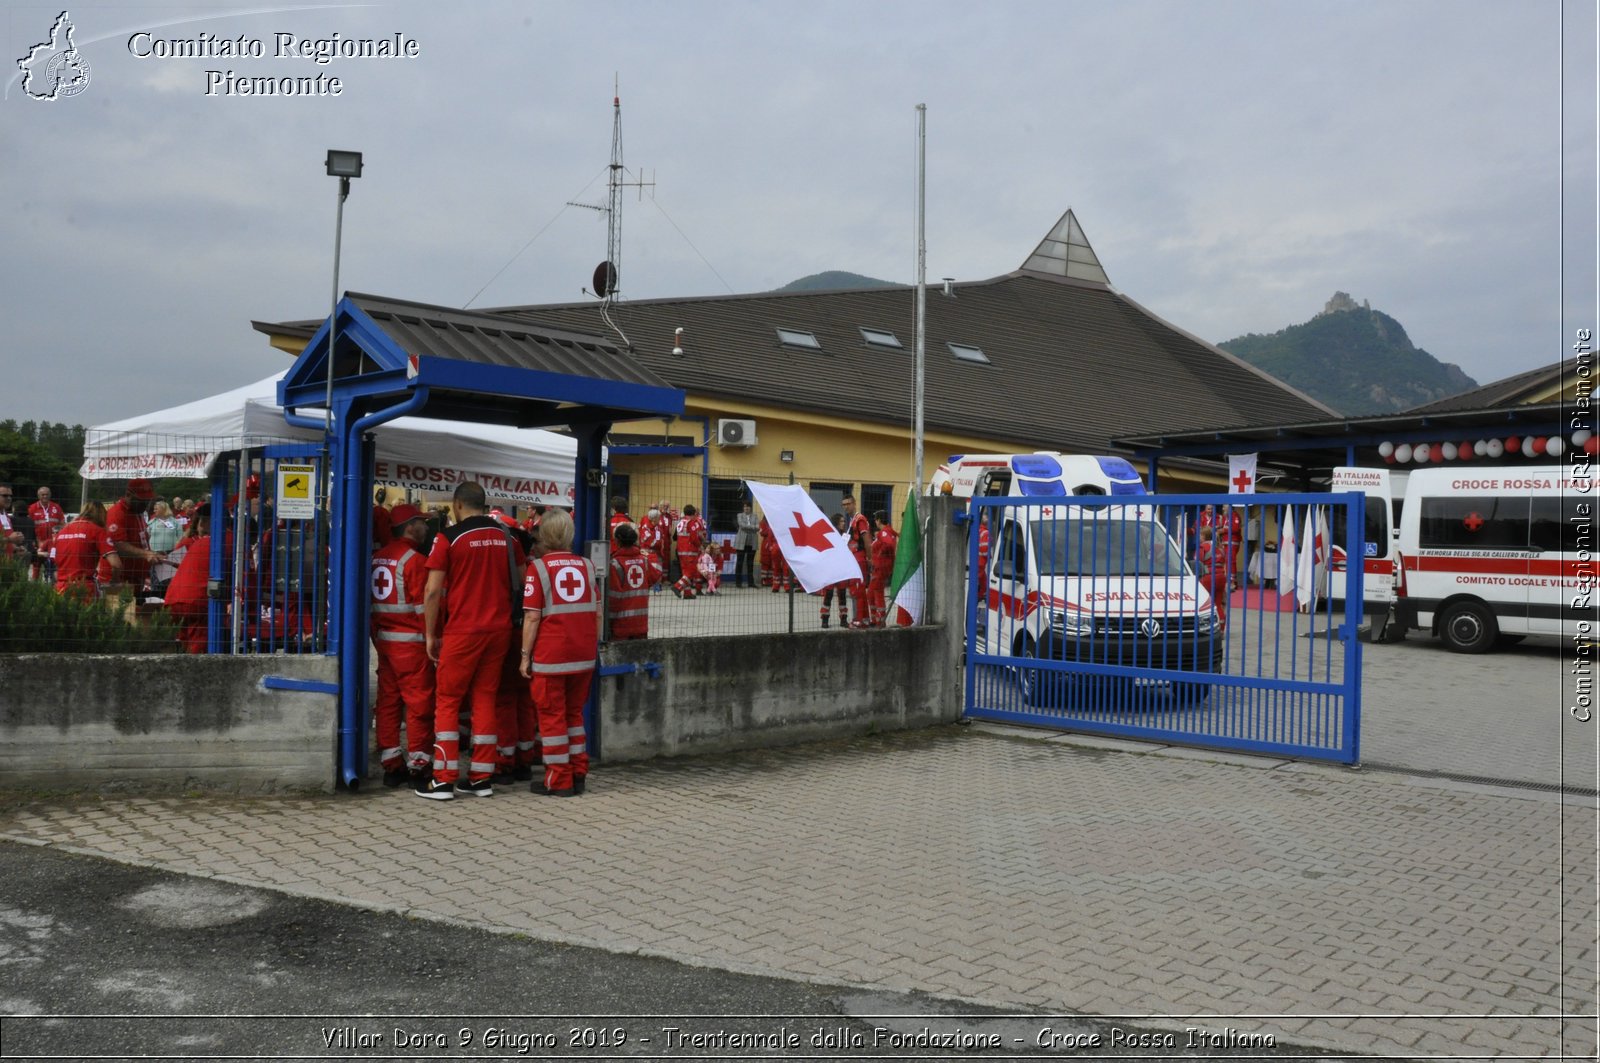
<point>1469,627</point>
<point>1039,688</point>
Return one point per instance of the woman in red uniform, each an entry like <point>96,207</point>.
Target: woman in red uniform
<point>186,596</point>
<point>560,641</point>
<point>79,548</point>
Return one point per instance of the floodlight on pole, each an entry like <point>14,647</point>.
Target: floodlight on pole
<point>344,165</point>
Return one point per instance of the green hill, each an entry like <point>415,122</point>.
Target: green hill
<point>834,280</point>
<point>1355,359</point>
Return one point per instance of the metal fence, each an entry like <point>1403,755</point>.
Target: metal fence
<point>1138,617</point>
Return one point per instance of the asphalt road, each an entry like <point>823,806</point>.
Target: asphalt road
<point>103,960</point>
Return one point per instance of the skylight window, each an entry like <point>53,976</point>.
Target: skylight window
<point>968,353</point>
<point>877,337</point>
<point>795,338</point>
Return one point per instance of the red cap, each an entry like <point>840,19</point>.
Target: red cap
<point>141,489</point>
<point>402,514</point>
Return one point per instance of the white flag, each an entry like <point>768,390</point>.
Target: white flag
<point>1311,572</point>
<point>816,552</point>
<point>1287,560</point>
<point>1241,474</point>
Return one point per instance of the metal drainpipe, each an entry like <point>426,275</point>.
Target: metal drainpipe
<point>352,602</point>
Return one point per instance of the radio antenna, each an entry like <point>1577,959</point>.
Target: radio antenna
<point>607,273</point>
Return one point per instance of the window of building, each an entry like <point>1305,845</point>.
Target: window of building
<point>877,337</point>
<point>965,352</point>
<point>797,338</point>
<point>724,501</point>
<point>828,496</point>
<point>878,496</point>
<point>617,483</point>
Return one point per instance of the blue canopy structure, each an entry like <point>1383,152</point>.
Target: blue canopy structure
<point>394,358</point>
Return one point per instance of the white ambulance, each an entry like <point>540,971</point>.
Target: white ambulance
<point>1385,491</point>
<point>1103,585</point>
<point>1488,556</point>
<point>1042,473</point>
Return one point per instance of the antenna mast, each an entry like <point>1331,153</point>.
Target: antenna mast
<point>608,273</point>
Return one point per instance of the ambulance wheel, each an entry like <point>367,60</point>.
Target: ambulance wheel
<point>1039,688</point>
<point>1468,627</point>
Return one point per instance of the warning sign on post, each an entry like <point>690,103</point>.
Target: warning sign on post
<point>297,492</point>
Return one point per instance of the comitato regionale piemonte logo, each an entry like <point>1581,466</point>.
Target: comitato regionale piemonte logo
<point>55,68</point>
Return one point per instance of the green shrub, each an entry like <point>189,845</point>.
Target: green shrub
<point>35,619</point>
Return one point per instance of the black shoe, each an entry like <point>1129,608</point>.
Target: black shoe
<point>436,791</point>
<point>521,774</point>
<point>501,778</point>
<point>395,779</point>
<point>580,783</point>
<point>537,787</point>
<point>481,788</point>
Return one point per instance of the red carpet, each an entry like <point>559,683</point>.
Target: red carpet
<point>1263,598</point>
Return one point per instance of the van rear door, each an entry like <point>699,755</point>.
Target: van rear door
<point>1377,537</point>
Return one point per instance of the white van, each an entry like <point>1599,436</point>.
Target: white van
<point>1042,473</point>
<point>1385,491</point>
<point>1101,585</point>
<point>1490,555</point>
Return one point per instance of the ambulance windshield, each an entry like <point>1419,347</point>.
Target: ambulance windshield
<point>1071,546</point>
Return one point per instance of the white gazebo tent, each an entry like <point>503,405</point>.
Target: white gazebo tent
<point>519,466</point>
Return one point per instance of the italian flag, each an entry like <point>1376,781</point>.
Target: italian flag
<point>907,586</point>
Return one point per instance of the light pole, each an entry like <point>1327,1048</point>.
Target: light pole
<point>343,165</point>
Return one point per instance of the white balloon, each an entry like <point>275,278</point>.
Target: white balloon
<point>1553,446</point>
<point>1481,447</point>
<point>1449,451</point>
<point>1420,452</point>
<point>1402,452</point>
<point>1386,448</point>
<point>1494,449</point>
<point>1581,436</point>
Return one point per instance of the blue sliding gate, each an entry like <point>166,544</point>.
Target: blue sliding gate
<point>1168,618</point>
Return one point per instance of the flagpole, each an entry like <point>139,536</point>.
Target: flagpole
<point>922,289</point>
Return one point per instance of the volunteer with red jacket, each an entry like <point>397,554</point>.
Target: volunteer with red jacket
<point>560,641</point>
<point>128,525</point>
<point>883,551</point>
<point>186,597</point>
<point>47,519</point>
<point>632,573</point>
<point>689,534</point>
<point>80,546</point>
<point>405,674</point>
<point>858,532</point>
<point>474,560</point>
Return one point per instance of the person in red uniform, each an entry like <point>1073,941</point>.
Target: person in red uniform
<point>631,574</point>
<point>127,523</point>
<point>405,675</point>
<point>560,641</point>
<point>650,540</point>
<point>186,598</point>
<point>835,592</point>
<point>516,725</point>
<point>473,560</point>
<point>47,519</point>
<point>79,548</point>
<point>619,516</point>
<point>883,550</point>
<point>10,537</point>
<point>1212,577</point>
<point>688,535</point>
<point>858,533</point>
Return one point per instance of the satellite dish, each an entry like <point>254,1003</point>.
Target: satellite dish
<point>605,279</point>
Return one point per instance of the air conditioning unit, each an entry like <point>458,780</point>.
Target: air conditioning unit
<point>731,433</point>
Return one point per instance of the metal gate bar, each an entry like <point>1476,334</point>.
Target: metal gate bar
<point>1124,616</point>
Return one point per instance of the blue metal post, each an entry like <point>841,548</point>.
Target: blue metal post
<point>1355,588</point>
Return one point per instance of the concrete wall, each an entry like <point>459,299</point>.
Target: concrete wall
<point>714,695</point>
<point>168,721</point>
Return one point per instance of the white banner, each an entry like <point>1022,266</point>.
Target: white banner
<point>1242,474</point>
<point>815,550</point>
<point>525,491</point>
<point>191,465</point>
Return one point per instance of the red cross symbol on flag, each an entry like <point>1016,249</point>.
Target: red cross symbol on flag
<point>814,535</point>
<point>1242,482</point>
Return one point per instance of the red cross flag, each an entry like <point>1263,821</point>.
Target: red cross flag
<point>1241,474</point>
<point>816,552</point>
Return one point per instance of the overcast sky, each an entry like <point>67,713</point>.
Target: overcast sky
<point>1233,164</point>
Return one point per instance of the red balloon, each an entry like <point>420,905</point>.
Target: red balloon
<point>1535,446</point>
<point>1464,451</point>
<point>1591,446</point>
<point>1388,459</point>
<point>1513,444</point>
